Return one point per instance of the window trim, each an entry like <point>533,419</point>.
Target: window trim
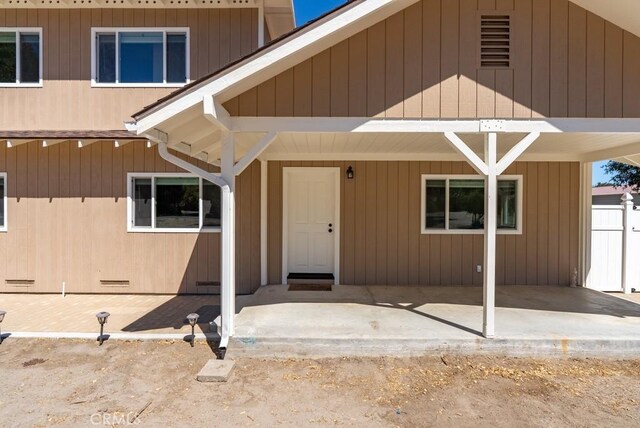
<point>117,30</point>
<point>3,227</point>
<point>447,177</point>
<point>153,228</point>
<point>17,83</point>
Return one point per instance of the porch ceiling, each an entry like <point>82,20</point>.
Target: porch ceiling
<point>194,135</point>
<point>336,146</point>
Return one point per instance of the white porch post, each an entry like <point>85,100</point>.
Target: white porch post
<point>490,228</point>
<point>228,292</point>
<point>627,259</point>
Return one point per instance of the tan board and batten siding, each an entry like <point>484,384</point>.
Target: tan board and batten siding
<point>68,102</point>
<point>423,63</point>
<point>381,242</point>
<point>67,217</point>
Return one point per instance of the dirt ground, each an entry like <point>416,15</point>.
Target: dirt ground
<point>76,383</point>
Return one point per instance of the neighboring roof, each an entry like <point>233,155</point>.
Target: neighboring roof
<point>273,43</point>
<point>611,190</point>
<point>69,135</point>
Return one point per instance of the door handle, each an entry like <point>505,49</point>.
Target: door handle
<point>330,225</point>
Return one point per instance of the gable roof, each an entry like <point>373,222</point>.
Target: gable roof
<point>295,47</point>
<point>276,41</point>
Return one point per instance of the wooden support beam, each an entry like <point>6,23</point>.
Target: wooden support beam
<point>462,148</point>
<point>254,152</point>
<point>215,113</point>
<point>490,232</point>
<point>516,151</point>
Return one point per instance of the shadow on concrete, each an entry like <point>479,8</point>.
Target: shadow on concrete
<point>416,300</point>
<point>173,313</point>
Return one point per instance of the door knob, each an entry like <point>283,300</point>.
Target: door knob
<point>330,230</point>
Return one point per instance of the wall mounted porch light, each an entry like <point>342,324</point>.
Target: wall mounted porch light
<point>2,314</point>
<point>102,319</point>
<point>350,173</point>
<point>193,320</point>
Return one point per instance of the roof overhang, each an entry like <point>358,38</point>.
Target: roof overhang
<point>271,60</point>
<point>583,140</point>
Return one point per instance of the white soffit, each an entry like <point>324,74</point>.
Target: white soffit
<point>557,146</point>
<point>623,13</point>
<point>279,17</point>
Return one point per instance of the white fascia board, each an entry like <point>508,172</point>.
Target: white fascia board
<point>582,125</point>
<point>367,124</point>
<point>356,125</point>
<point>278,59</point>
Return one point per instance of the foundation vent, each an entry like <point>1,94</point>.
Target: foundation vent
<point>114,283</point>
<point>495,41</point>
<point>19,282</point>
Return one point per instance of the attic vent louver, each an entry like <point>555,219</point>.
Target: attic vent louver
<point>495,41</point>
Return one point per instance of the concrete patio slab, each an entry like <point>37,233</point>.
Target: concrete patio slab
<point>383,320</point>
<point>352,320</point>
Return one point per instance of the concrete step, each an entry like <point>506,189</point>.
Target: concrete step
<point>295,347</point>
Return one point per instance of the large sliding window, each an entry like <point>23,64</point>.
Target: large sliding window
<point>3,202</point>
<point>20,57</point>
<point>173,203</point>
<point>140,56</point>
<point>455,204</point>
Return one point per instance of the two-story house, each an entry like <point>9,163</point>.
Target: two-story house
<point>412,142</point>
<point>71,74</point>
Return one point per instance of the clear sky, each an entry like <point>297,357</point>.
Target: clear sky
<point>598,173</point>
<point>306,10</point>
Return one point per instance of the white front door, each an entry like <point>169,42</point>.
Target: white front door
<point>311,199</point>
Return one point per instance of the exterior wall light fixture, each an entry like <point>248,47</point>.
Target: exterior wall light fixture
<point>350,173</point>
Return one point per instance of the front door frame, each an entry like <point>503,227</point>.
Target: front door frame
<point>285,220</point>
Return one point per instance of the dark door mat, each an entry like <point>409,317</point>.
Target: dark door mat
<point>311,276</point>
<point>309,287</point>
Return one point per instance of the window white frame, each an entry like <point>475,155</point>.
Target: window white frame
<point>3,177</point>
<point>118,30</point>
<point>446,231</point>
<point>18,30</point>
<point>153,228</point>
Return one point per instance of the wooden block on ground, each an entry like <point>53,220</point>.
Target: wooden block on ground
<point>216,371</point>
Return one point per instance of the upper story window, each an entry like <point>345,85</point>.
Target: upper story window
<point>20,57</point>
<point>140,56</point>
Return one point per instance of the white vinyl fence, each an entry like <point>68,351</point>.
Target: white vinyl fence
<point>615,247</point>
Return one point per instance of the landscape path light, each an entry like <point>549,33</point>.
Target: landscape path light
<point>102,319</point>
<point>2,314</point>
<point>193,320</point>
